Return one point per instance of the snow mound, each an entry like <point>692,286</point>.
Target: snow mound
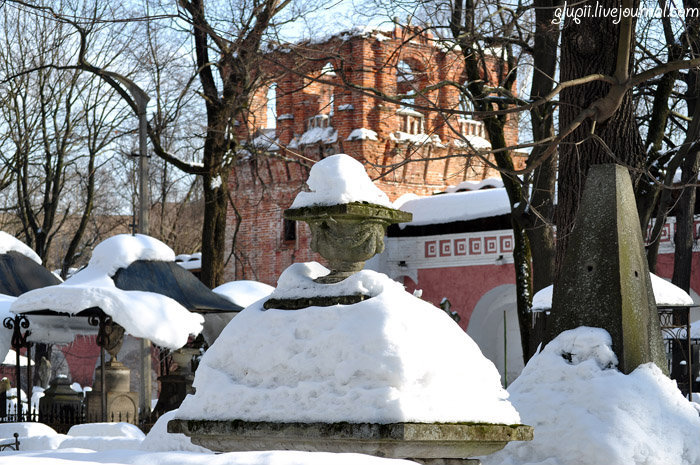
<point>32,435</point>
<point>159,440</point>
<point>587,412</point>
<point>111,430</point>
<point>339,179</point>
<point>391,358</point>
<point>244,292</point>
<point>122,250</point>
<point>10,243</point>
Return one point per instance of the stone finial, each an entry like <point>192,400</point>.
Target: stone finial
<point>605,280</point>
<point>348,215</point>
<point>348,234</point>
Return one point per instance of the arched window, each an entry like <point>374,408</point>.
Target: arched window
<point>404,73</point>
<point>328,70</point>
<point>468,124</point>
<point>272,106</point>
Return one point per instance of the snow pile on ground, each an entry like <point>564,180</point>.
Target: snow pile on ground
<point>158,439</point>
<point>111,430</point>
<point>387,359</point>
<point>244,292</point>
<point>32,436</point>
<point>339,179</point>
<point>666,294</point>
<point>103,436</point>
<point>9,243</point>
<point>142,314</point>
<point>458,206</point>
<point>587,412</point>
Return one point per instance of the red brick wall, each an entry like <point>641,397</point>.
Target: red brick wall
<point>264,185</point>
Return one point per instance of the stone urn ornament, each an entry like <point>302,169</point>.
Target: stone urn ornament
<point>348,216</point>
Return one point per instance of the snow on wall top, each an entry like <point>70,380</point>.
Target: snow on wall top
<point>339,179</point>
<point>10,243</point>
<point>457,206</point>
<point>122,250</point>
<point>142,314</point>
<point>387,359</point>
<point>666,294</point>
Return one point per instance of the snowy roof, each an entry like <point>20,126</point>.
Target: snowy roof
<point>390,358</point>
<point>19,274</point>
<point>475,185</point>
<point>666,294</point>
<point>339,179</point>
<point>9,243</point>
<point>457,206</point>
<point>142,314</point>
<point>171,280</point>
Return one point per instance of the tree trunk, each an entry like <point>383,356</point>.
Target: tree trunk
<point>685,224</point>
<point>214,231</point>
<point>540,231</point>
<point>586,49</point>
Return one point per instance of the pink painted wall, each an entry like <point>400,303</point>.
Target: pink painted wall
<point>463,285</point>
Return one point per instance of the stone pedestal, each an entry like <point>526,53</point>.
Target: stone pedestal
<point>176,385</point>
<point>429,443</point>
<point>61,407</point>
<point>122,404</point>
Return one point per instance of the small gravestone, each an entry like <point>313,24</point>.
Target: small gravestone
<point>605,280</point>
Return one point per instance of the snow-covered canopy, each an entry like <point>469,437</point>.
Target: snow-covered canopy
<point>142,314</point>
<point>457,206</point>
<point>585,411</point>
<point>390,358</point>
<point>339,179</point>
<point>666,294</point>
<point>9,243</point>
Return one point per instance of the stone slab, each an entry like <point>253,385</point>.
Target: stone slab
<point>395,440</point>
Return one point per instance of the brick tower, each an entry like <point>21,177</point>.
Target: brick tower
<point>323,100</point>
